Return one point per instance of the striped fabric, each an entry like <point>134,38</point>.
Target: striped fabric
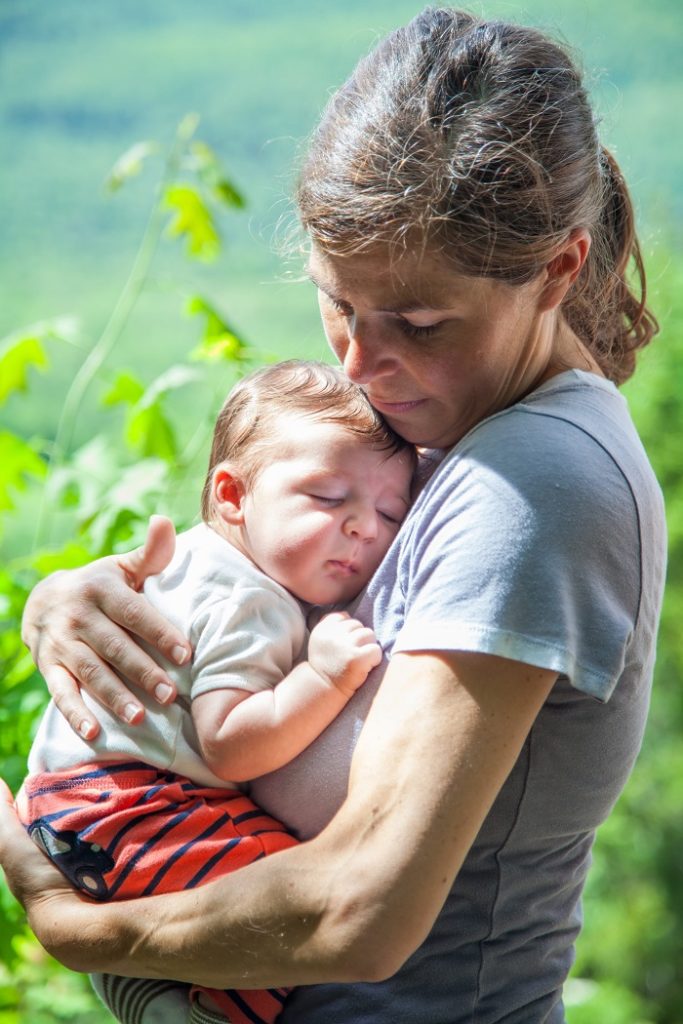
<point>126,830</point>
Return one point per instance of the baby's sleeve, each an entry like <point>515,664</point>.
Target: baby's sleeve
<point>247,641</point>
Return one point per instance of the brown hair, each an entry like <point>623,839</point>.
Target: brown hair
<point>478,138</point>
<point>246,428</point>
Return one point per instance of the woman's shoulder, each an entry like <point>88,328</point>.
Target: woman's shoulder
<point>564,468</point>
<point>575,432</point>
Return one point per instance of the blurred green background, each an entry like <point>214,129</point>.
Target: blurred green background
<point>119,340</point>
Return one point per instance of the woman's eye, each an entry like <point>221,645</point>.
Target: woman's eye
<point>342,308</point>
<point>414,331</point>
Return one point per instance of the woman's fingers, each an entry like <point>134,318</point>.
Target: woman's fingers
<point>136,615</point>
<point>82,628</point>
<point>80,636</point>
<point>66,694</point>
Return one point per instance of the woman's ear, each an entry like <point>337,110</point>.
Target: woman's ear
<point>228,493</point>
<point>564,268</point>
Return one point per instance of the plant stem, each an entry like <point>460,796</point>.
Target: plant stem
<point>113,329</point>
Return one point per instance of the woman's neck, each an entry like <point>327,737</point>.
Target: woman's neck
<point>569,353</point>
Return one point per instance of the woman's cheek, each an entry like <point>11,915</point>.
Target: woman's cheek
<point>336,334</point>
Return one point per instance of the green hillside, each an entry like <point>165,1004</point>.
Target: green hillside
<point>81,82</point>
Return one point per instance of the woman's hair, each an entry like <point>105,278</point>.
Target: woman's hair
<point>477,139</point>
<point>248,431</point>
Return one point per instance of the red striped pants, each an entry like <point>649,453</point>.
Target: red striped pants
<point>119,831</point>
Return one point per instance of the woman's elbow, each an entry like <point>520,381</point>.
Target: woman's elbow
<point>368,945</point>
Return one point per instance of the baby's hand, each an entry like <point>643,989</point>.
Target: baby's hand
<point>343,651</point>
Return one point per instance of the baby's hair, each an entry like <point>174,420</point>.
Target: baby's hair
<point>477,140</point>
<point>246,432</point>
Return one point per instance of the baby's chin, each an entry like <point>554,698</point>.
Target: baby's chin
<point>329,598</point>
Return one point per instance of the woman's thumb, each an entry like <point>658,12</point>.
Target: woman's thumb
<point>154,555</point>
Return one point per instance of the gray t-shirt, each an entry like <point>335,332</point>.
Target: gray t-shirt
<point>540,537</point>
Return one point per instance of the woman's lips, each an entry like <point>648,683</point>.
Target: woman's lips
<point>394,407</point>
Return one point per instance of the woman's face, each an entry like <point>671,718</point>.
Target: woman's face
<point>435,351</point>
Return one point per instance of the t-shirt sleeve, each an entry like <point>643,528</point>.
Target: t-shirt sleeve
<point>526,545</point>
<point>248,641</point>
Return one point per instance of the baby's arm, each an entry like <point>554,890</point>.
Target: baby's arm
<point>244,735</point>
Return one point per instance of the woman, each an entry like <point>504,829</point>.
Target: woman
<point>469,239</point>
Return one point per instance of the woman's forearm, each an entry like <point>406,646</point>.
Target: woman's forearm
<point>355,902</point>
<point>270,924</point>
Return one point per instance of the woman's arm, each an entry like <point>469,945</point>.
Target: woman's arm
<point>244,735</point>
<point>77,625</point>
<point>443,733</point>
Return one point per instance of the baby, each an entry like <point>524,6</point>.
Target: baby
<point>306,490</point>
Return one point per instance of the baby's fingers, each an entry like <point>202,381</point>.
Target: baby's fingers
<point>361,634</point>
<point>371,655</point>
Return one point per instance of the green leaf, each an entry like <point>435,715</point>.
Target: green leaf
<point>205,162</point>
<point>133,498</point>
<point>148,428</point>
<point>224,348</point>
<point>220,343</point>
<point>228,194</point>
<point>71,556</point>
<point>24,349</point>
<point>18,461</point>
<point>129,164</point>
<point>17,356</point>
<point>126,389</point>
<point>85,481</point>
<point>149,431</point>
<point>193,221</point>
<point>19,671</point>
<point>171,380</point>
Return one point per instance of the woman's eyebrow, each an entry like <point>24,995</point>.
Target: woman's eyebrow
<point>400,309</point>
<point>316,281</point>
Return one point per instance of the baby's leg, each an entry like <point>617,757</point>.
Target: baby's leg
<point>126,830</point>
<point>143,1000</point>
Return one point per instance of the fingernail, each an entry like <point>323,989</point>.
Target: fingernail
<point>85,729</point>
<point>179,654</point>
<point>131,712</point>
<point>163,692</point>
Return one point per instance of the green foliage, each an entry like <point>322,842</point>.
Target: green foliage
<point>17,355</point>
<point>630,951</point>
<point>135,463</point>
<point>38,990</point>
<point>18,462</point>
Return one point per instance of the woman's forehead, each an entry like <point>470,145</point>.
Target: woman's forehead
<point>391,282</point>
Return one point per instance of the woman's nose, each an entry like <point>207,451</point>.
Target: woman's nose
<point>367,354</point>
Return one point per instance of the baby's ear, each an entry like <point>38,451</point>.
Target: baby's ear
<point>228,493</point>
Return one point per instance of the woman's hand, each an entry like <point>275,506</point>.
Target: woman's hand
<point>77,625</point>
<point>30,875</point>
<point>69,925</point>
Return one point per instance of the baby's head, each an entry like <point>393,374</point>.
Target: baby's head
<point>307,480</point>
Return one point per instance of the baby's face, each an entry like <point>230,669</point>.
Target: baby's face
<point>321,516</point>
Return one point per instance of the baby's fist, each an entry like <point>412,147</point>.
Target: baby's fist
<point>343,651</point>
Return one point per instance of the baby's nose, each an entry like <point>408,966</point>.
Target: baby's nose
<point>362,523</point>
